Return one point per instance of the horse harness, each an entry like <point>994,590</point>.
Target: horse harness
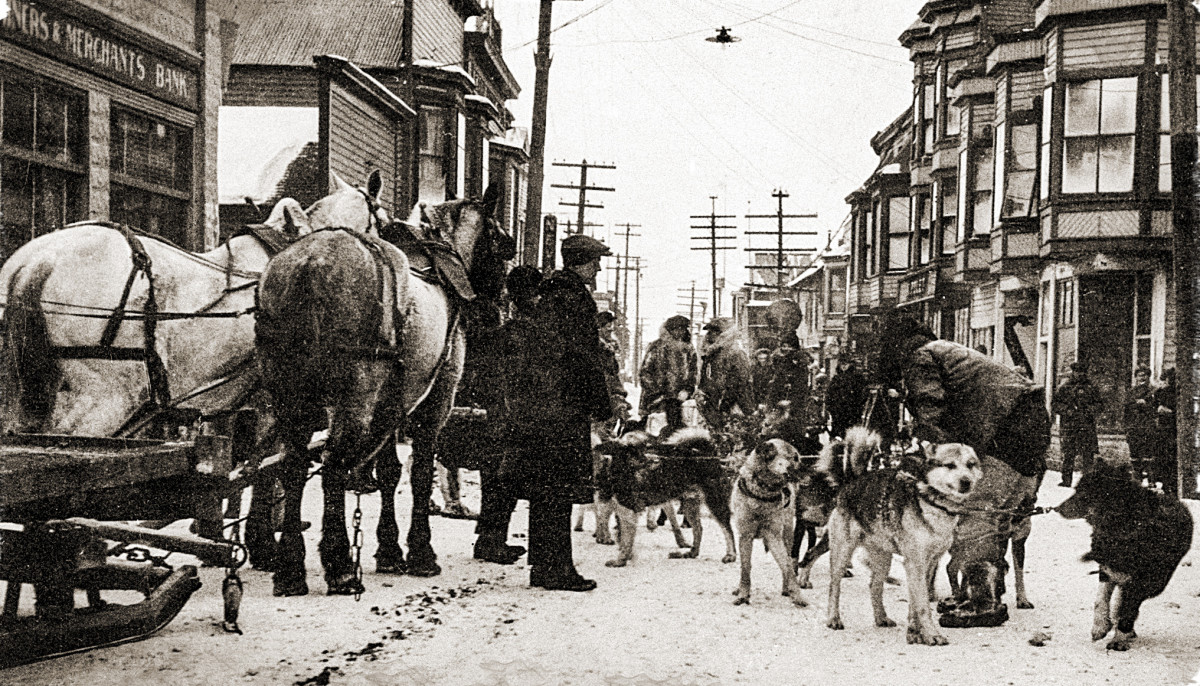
<point>156,371</point>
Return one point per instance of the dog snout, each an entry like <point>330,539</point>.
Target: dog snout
<point>965,484</point>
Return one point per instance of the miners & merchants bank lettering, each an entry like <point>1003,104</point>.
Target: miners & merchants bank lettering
<point>62,35</point>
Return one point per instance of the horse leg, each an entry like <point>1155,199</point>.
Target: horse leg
<point>289,562</point>
<point>335,543</point>
<point>422,560</point>
<point>389,557</point>
<point>260,531</point>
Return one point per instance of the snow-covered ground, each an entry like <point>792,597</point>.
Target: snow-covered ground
<point>657,621</point>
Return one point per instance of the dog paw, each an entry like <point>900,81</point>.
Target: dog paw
<point>1118,644</point>
<point>804,584</point>
<point>1101,629</point>
<point>1024,605</point>
<point>605,540</point>
<point>682,554</point>
<point>836,624</point>
<point>885,622</point>
<point>729,558</point>
<point>615,563</point>
<point>916,636</point>
<point>798,601</point>
<point>741,600</point>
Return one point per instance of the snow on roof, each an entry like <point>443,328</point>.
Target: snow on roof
<point>450,68</point>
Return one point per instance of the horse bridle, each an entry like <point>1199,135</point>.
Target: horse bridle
<point>373,207</point>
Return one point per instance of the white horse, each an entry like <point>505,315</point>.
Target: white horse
<point>87,351</point>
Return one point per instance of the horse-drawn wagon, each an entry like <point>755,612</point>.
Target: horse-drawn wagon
<point>64,504</point>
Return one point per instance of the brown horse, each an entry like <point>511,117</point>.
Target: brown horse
<point>346,330</point>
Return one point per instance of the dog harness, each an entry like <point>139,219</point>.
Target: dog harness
<point>783,496</point>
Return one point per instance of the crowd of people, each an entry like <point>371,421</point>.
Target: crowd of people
<point>555,376</point>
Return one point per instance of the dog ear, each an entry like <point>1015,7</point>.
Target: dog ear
<point>929,449</point>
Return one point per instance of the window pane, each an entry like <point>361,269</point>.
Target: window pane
<point>953,120</point>
<point>1047,111</point>
<point>1079,165</point>
<point>898,252</point>
<point>1164,104</point>
<point>927,110</point>
<point>963,171</point>
<point>150,212</point>
<point>1164,163</point>
<point>18,114</point>
<point>1022,165</point>
<point>998,173</point>
<point>51,124</point>
<point>982,209</point>
<point>1118,105</point>
<point>983,170</point>
<point>949,235</point>
<point>1116,164</point>
<point>16,201</point>
<point>898,214</point>
<point>1044,186</point>
<point>1083,108</point>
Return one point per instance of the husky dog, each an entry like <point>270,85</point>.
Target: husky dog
<point>911,510</point>
<point>818,487</point>
<point>1138,537</point>
<point>683,468</point>
<point>764,506</point>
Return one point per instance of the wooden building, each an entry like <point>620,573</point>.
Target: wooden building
<point>419,96</point>
<point>110,112</point>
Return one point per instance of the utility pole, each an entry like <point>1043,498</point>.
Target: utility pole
<point>779,233</point>
<point>637,317</point>
<point>625,269</point>
<point>537,137</point>
<point>712,239</point>
<point>1182,69</point>
<point>583,187</point>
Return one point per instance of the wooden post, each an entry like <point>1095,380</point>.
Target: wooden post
<point>537,138</point>
<point>1182,50</point>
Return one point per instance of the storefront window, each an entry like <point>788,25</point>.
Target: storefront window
<point>42,172</point>
<point>151,165</point>
<point>1098,136</point>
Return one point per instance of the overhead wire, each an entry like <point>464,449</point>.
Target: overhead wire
<point>663,39</point>
<point>826,158</point>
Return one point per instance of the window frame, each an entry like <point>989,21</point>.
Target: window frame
<point>1100,136</point>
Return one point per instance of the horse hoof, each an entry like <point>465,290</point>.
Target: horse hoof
<point>391,567</point>
<point>289,589</point>
<point>423,568</point>
<point>345,585</point>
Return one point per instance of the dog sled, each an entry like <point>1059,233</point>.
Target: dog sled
<point>66,505</point>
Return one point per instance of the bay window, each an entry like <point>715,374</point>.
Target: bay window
<point>1016,168</point>
<point>1099,127</point>
<point>975,175</point>
<point>837,291</point>
<point>432,123</point>
<point>898,235</point>
<point>1164,134</point>
<point>948,207</point>
<point>922,228</point>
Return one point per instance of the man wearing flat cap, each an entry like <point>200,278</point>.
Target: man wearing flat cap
<point>1076,403</point>
<point>555,387</point>
<point>669,372</point>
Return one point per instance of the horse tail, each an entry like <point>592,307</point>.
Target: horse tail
<point>31,375</point>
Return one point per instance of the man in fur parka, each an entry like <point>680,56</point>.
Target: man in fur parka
<point>725,373</point>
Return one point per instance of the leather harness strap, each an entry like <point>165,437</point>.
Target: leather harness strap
<point>156,371</point>
<point>783,496</point>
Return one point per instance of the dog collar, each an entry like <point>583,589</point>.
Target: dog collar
<point>930,496</point>
<point>784,495</point>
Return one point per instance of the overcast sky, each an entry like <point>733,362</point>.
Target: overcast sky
<point>793,105</point>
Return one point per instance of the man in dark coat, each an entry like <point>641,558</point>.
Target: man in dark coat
<point>1140,424</point>
<point>1076,403</point>
<point>496,500</point>
<point>845,397</point>
<point>725,377</point>
<point>761,375</point>
<point>1166,459</point>
<point>554,389</point>
<point>669,372</point>
<point>609,355</point>
<point>958,395</point>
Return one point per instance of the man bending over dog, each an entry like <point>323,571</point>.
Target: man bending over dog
<point>958,395</point>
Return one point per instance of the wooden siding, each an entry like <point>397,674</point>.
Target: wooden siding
<point>983,305</point>
<point>1050,73</point>
<point>962,38</point>
<point>271,87</point>
<point>1026,86</point>
<point>1105,45</point>
<point>361,138</point>
<point>982,116</point>
<point>1111,224</point>
<point>1001,106</point>
<point>1162,49</point>
<point>1006,15</point>
<point>437,32</point>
